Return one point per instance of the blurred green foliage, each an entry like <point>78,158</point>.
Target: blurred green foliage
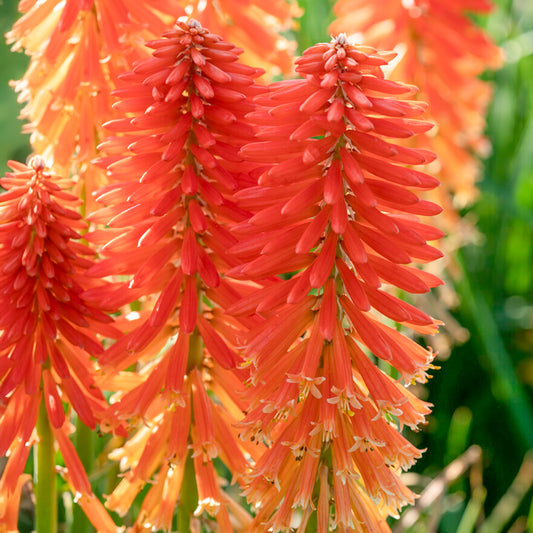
<point>13,144</point>
<point>483,392</point>
<point>492,374</point>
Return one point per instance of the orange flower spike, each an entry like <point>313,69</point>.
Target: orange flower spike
<point>49,333</point>
<point>173,163</point>
<point>343,221</point>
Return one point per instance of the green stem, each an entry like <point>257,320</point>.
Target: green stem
<point>113,474</point>
<point>472,511</point>
<point>45,476</point>
<point>530,519</point>
<point>313,23</point>
<point>85,449</point>
<point>189,497</point>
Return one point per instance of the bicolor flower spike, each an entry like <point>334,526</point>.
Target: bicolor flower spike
<point>48,332</point>
<point>337,207</point>
<point>173,163</point>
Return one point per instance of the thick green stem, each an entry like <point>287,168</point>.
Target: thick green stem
<point>188,498</point>
<point>45,476</point>
<point>85,449</point>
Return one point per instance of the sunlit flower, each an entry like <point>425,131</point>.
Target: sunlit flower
<point>77,49</point>
<point>336,206</point>
<point>173,163</point>
<point>48,338</point>
<point>442,52</point>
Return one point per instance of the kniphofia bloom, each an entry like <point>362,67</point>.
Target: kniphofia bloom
<point>337,205</point>
<point>48,340</point>
<point>173,164</point>
<point>443,53</point>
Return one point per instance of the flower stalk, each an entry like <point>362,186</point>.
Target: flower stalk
<point>189,497</point>
<point>85,449</point>
<point>45,476</point>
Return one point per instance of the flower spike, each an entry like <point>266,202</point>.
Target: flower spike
<point>48,340</point>
<point>349,227</point>
<point>77,50</point>
<point>173,163</point>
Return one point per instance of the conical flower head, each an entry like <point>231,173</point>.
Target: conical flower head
<point>176,167</point>
<point>442,52</point>
<point>337,206</point>
<point>174,163</point>
<point>48,338</point>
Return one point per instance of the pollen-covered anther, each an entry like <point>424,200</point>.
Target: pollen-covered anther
<point>210,505</point>
<point>339,40</point>
<point>307,385</point>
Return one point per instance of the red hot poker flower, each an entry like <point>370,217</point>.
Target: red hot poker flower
<point>338,204</point>
<point>173,163</point>
<point>48,338</point>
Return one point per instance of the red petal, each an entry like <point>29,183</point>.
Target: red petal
<point>215,344</point>
<point>333,189</point>
<point>54,407</point>
<point>178,356</point>
<point>322,265</point>
<point>189,306</point>
<point>76,472</point>
<point>189,255</point>
<point>167,301</point>
<point>328,310</point>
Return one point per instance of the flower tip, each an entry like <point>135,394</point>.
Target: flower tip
<point>37,163</point>
<point>193,23</point>
<point>340,39</point>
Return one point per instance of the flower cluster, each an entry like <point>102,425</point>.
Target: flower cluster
<point>79,47</point>
<point>49,341</point>
<point>251,243</point>
<point>336,204</point>
<point>77,50</point>
<point>173,163</point>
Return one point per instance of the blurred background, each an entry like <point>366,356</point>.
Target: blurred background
<point>477,473</point>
